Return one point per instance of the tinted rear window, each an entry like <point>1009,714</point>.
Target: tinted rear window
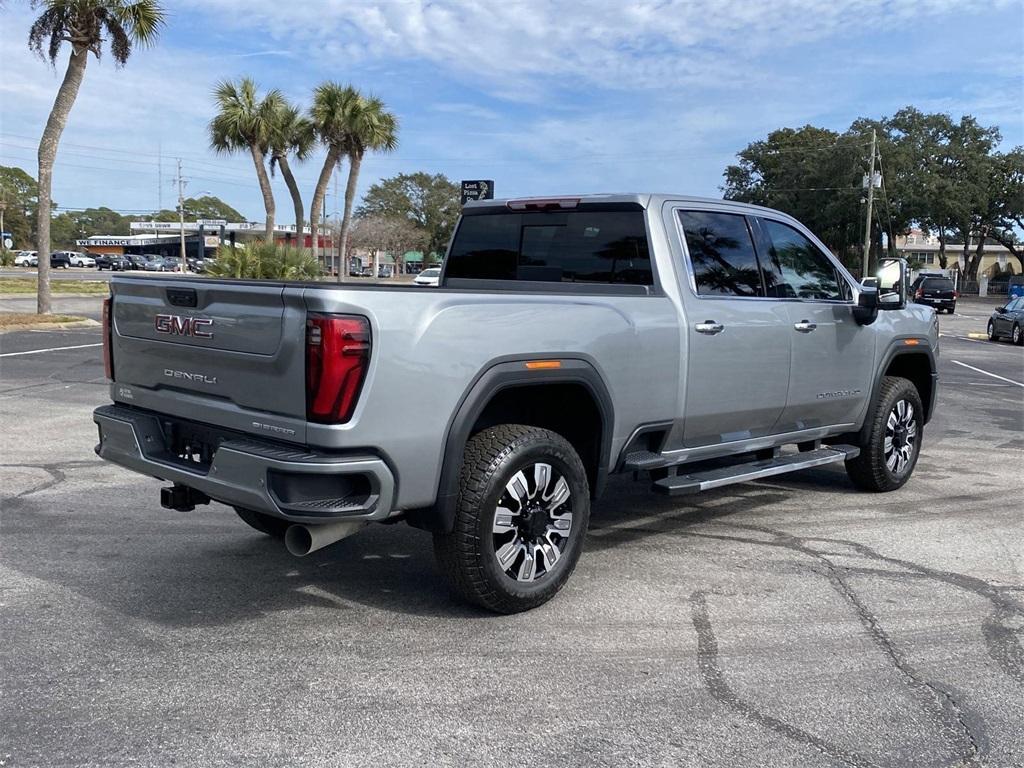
<point>721,254</point>
<point>579,246</point>
<point>938,284</point>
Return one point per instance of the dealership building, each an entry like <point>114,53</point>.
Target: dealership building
<point>202,237</point>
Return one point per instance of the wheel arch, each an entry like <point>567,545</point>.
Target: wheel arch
<point>506,392</point>
<point>911,359</point>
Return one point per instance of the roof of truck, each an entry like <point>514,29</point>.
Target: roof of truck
<point>646,199</point>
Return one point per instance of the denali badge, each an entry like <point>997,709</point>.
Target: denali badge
<point>179,325</point>
<point>840,393</point>
<point>272,428</point>
<point>202,378</point>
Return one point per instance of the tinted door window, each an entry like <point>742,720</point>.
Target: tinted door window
<point>795,268</point>
<point>721,254</point>
<point>602,246</point>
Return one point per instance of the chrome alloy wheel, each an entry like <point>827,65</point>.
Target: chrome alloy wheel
<point>532,522</point>
<point>900,437</point>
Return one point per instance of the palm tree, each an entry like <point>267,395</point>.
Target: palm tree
<point>371,128</point>
<point>332,104</point>
<point>86,24</point>
<point>246,122</point>
<point>292,134</point>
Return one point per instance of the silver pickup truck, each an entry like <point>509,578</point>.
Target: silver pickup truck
<point>692,342</point>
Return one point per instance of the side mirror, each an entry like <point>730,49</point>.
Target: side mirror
<point>892,284</point>
<point>870,282</point>
<point>866,310</point>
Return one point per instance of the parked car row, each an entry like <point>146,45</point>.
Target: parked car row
<point>383,270</point>
<point>147,262</point>
<point>58,259</point>
<point>115,262</point>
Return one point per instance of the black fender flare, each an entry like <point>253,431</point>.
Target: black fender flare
<point>506,373</point>
<point>908,345</point>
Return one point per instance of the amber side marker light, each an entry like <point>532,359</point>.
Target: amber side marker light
<point>911,342</point>
<point>534,365</point>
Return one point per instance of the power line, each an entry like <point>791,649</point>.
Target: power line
<point>195,159</point>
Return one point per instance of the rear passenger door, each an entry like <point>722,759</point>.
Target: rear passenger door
<point>832,355</point>
<point>738,344</point>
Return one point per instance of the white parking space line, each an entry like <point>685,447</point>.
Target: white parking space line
<point>50,349</point>
<point>993,375</point>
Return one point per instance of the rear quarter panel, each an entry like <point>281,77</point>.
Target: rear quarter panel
<point>430,345</point>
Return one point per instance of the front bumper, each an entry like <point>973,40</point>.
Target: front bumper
<point>288,482</point>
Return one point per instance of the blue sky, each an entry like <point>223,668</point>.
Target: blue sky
<point>544,96</point>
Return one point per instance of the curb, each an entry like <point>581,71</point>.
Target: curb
<point>54,296</point>
<point>87,323</point>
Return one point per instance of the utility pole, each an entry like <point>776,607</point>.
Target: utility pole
<point>871,200</point>
<point>159,177</point>
<point>181,212</point>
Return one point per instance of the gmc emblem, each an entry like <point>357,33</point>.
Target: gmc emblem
<point>177,325</point>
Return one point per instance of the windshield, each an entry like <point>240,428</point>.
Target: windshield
<point>938,284</point>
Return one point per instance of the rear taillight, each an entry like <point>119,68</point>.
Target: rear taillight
<point>337,355</point>
<point>108,360</point>
<point>956,294</point>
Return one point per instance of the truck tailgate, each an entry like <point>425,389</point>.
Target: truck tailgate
<point>232,351</point>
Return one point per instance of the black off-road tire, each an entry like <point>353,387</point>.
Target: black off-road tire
<point>869,470</point>
<point>264,523</point>
<point>991,330</point>
<point>466,555</point>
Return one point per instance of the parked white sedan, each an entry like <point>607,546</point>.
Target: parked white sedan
<point>428,276</point>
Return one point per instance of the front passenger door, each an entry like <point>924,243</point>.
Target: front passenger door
<point>832,355</point>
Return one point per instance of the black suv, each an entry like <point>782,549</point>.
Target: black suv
<point>937,292</point>
<point>60,259</point>
<point>115,262</point>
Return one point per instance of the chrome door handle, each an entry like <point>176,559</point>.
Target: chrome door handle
<point>805,326</point>
<point>710,327</point>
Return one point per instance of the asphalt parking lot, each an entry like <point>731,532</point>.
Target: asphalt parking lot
<point>790,622</point>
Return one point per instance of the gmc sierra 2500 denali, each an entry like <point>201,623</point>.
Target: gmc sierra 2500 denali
<point>695,342</point>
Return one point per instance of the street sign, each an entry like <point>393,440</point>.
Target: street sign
<point>477,189</point>
<point>7,240</point>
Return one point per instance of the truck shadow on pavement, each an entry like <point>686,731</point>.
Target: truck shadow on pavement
<point>208,568</point>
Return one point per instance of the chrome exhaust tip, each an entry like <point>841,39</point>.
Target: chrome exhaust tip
<point>301,540</point>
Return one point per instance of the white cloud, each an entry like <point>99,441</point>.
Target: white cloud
<point>544,95</point>
<point>514,45</point>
